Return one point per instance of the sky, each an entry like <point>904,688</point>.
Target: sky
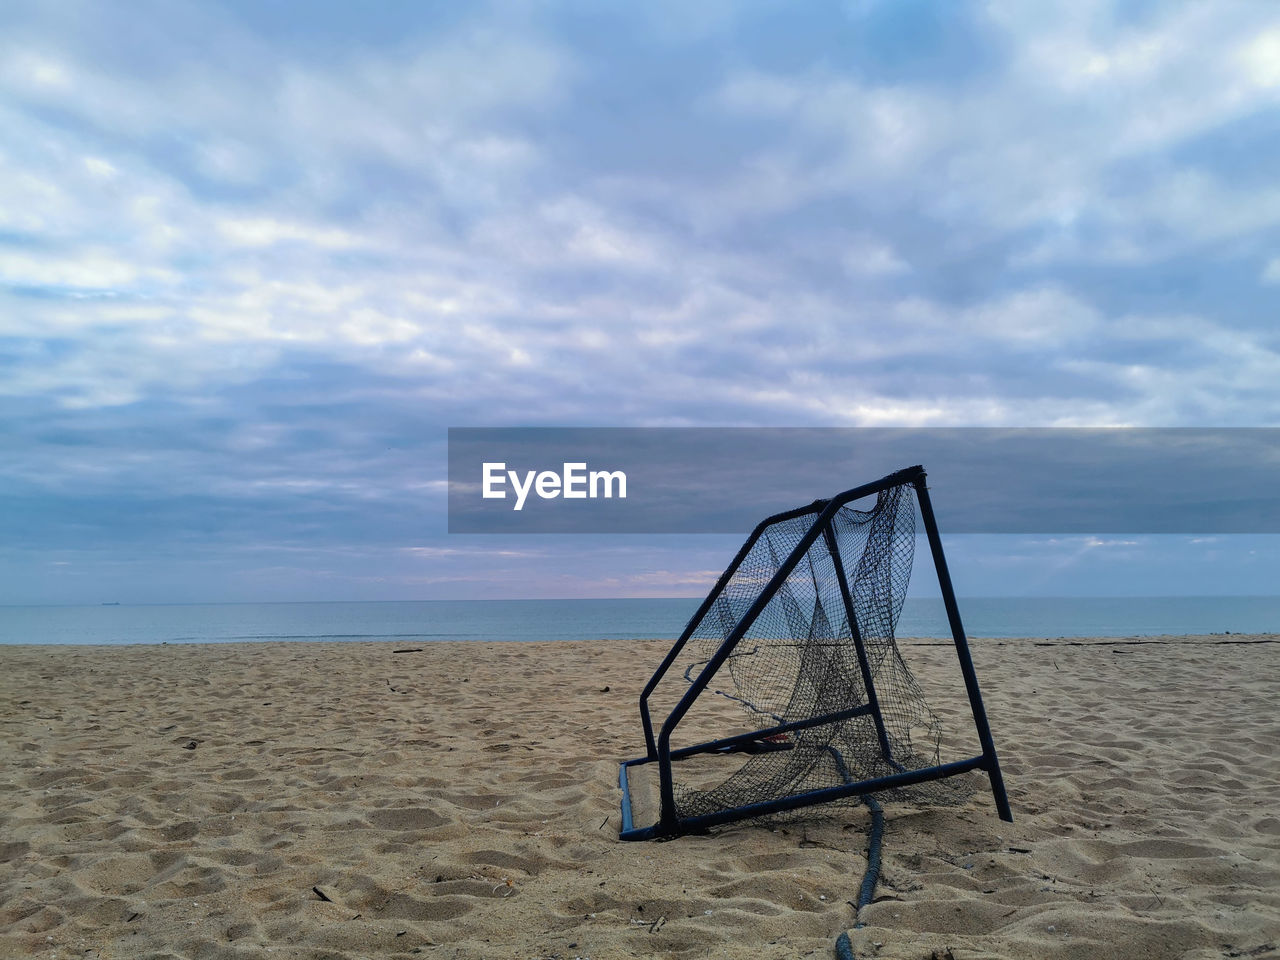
<point>256,257</point>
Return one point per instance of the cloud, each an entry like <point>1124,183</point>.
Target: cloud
<point>1260,58</point>
<point>76,270</point>
<point>262,264</point>
<point>266,232</point>
<point>1073,140</point>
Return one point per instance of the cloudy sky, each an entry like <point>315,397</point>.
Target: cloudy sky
<point>256,257</point>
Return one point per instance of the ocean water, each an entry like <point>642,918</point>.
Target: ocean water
<point>411,622</point>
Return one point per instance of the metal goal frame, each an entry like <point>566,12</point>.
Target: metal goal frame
<point>658,747</point>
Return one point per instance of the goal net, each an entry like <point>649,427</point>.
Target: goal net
<point>791,666</point>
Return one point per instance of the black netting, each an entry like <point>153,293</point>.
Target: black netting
<point>797,661</point>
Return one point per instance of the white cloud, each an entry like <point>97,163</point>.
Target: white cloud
<point>865,256</point>
<point>1046,315</point>
<point>79,270</point>
<point>1260,58</point>
<point>231,162</point>
<point>105,215</point>
<point>36,72</point>
<point>267,231</point>
<point>1050,144</point>
<point>131,366</point>
<point>405,211</point>
<point>566,232</point>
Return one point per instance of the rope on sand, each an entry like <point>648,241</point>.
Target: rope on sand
<point>872,876</point>
<point>844,949</point>
<point>875,838</point>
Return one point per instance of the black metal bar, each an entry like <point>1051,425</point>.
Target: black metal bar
<point>667,790</point>
<point>712,745</point>
<point>827,794</point>
<point>991,763</point>
<point>692,625</point>
<point>864,665</point>
<point>640,833</point>
<point>701,612</point>
<point>895,479</point>
<point>905,778</point>
<point>668,811</point>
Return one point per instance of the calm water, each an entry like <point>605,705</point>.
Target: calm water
<point>413,622</point>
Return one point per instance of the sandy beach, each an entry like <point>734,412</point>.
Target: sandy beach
<point>346,800</point>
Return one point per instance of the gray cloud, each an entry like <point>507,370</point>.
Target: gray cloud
<point>252,268</point>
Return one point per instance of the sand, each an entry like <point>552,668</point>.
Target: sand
<point>346,800</point>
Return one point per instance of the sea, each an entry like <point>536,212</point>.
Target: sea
<point>413,622</point>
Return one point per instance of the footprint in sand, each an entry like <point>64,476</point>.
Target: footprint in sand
<point>406,818</point>
<point>501,860</point>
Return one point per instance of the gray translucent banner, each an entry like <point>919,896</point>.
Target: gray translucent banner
<point>982,480</point>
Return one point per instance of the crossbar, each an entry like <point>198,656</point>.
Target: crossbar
<point>711,746</point>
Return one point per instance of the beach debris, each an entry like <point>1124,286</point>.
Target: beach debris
<point>1256,951</point>
<point>191,745</point>
<point>409,650</point>
<point>604,689</point>
<point>322,895</point>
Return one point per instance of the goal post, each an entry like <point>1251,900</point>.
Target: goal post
<point>800,629</point>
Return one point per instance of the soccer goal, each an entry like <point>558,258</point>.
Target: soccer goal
<point>793,656</point>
